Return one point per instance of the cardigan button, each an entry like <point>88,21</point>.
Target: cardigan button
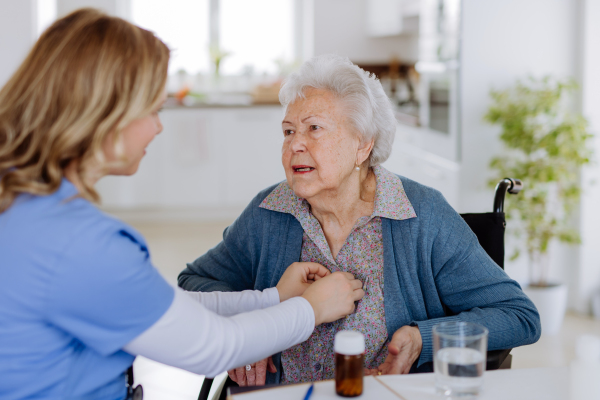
<point>317,367</point>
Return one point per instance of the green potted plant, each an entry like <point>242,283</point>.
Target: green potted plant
<point>545,146</point>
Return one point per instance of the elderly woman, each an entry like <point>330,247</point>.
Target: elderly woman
<point>338,207</point>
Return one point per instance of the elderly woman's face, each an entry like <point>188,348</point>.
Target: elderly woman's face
<point>321,147</point>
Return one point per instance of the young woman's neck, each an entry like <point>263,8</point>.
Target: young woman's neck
<point>73,174</point>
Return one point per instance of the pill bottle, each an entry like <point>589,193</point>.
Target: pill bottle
<point>349,347</point>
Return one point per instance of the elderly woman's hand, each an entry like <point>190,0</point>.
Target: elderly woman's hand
<point>403,350</point>
<point>255,376</point>
<point>298,277</point>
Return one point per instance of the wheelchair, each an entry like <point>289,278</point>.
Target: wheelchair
<point>489,229</point>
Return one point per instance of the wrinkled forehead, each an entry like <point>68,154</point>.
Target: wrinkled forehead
<point>315,100</point>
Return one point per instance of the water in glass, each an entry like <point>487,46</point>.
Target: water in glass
<point>459,371</point>
<point>460,351</point>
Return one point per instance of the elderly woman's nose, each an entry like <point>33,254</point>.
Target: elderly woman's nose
<point>298,142</point>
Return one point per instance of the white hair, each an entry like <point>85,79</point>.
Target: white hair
<point>369,109</point>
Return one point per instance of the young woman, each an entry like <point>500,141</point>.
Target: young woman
<point>78,293</point>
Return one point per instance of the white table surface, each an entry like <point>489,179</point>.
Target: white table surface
<point>509,384</point>
<point>513,384</point>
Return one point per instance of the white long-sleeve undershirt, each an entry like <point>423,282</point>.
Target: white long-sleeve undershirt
<point>232,303</point>
<point>251,326</point>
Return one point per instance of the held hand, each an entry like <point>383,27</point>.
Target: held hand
<point>256,376</point>
<point>404,349</point>
<point>298,277</point>
<point>333,297</point>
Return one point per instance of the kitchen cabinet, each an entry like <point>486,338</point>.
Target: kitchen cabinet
<point>208,163</point>
<point>215,158</point>
<point>392,17</point>
<point>384,17</point>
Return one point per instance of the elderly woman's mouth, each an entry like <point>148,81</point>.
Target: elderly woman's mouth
<point>300,169</point>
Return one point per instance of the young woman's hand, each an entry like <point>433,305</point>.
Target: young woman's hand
<point>294,281</point>
<point>298,277</point>
<point>333,296</point>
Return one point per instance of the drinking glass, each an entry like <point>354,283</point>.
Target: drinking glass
<point>459,350</point>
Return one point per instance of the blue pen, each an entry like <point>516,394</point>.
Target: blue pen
<point>309,392</point>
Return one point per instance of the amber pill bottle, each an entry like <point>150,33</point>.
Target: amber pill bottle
<point>349,347</point>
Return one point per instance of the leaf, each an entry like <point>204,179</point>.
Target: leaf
<point>545,146</point>
<point>515,255</point>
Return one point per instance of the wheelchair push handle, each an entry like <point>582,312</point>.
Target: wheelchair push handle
<point>510,185</point>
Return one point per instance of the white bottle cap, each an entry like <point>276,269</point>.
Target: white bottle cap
<point>587,348</point>
<point>349,343</point>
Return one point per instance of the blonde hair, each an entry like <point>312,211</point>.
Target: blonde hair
<point>88,75</point>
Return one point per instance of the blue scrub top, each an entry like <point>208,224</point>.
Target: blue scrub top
<point>75,287</point>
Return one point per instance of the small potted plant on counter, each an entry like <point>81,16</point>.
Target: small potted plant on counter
<point>545,146</point>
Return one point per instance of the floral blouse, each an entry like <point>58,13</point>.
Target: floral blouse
<point>361,255</point>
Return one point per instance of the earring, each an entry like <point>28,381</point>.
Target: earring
<point>357,168</point>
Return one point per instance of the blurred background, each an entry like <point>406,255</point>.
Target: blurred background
<point>438,60</point>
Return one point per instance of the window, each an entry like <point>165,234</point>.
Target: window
<point>183,25</point>
<point>46,14</point>
<point>257,34</point>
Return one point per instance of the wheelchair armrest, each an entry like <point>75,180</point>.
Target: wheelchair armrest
<point>498,359</point>
<point>510,185</point>
<point>205,389</point>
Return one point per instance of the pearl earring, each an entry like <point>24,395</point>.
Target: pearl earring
<point>357,168</point>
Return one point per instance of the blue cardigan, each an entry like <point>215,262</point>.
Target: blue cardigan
<point>430,260</point>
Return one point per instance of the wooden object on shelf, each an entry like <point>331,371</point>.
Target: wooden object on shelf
<point>266,94</point>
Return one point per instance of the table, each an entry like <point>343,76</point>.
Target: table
<point>513,384</point>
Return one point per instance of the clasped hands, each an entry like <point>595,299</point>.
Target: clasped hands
<point>332,297</point>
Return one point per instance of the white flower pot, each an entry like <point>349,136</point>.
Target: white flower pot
<point>551,303</point>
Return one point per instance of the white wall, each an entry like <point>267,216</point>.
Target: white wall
<point>503,41</point>
<point>587,279</point>
<point>17,34</point>
<point>340,28</point>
